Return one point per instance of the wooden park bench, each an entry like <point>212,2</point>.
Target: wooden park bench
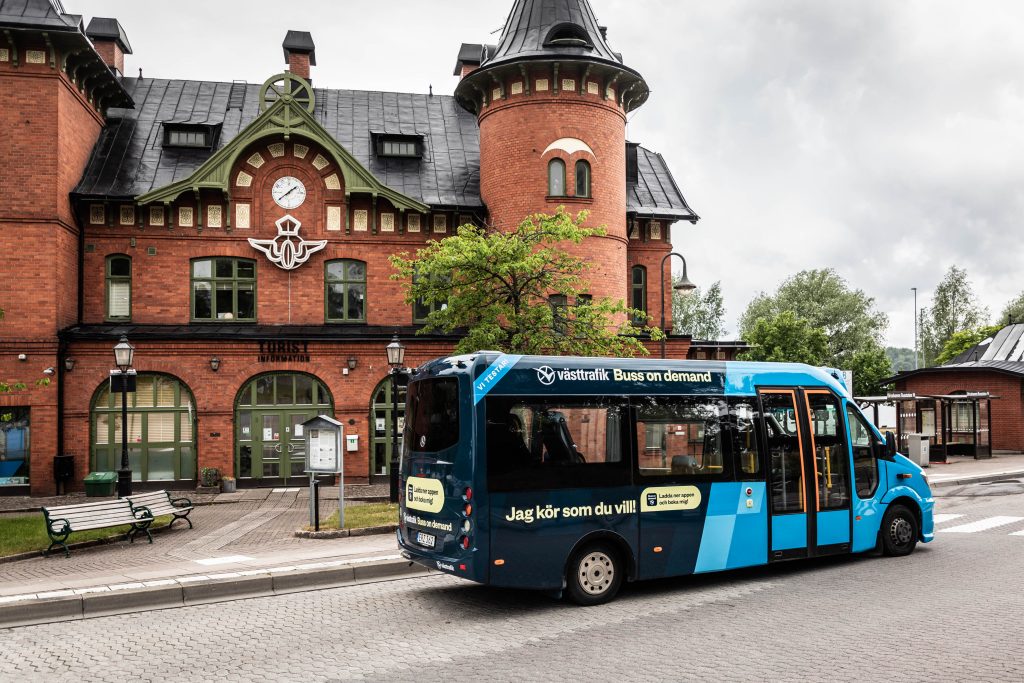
<point>160,503</point>
<point>64,520</point>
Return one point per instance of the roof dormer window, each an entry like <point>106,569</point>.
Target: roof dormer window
<point>401,146</point>
<point>568,35</point>
<point>200,136</point>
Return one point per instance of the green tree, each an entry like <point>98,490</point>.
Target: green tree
<point>963,340</point>
<point>511,291</point>
<point>954,308</point>
<point>853,327</point>
<point>699,314</point>
<point>900,358</point>
<point>1013,312</point>
<point>788,338</point>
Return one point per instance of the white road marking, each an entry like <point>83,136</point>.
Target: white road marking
<point>981,525</point>
<point>210,561</point>
<point>939,519</point>
<point>288,490</point>
<point>1017,533</point>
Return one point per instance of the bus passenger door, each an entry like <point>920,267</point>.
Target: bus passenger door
<point>787,494</point>
<point>831,469</point>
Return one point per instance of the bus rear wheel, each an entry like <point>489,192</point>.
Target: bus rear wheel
<point>594,574</point>
<point>899,531</point>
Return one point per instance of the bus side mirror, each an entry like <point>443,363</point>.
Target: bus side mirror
<point>890,446</point>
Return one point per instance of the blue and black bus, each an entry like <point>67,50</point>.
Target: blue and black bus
<point>576,474</point>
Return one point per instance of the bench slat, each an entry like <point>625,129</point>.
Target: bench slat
<point>103,504</point>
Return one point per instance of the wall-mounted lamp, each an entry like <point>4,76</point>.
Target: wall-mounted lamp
<point>69,363</point>
<point>48,372</point>
<point>352,362</point>
<point>215,364</point>
<point>23,357</point>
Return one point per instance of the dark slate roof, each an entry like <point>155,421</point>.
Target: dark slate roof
<point>129,158</point>
<point>111,29</point>
<point>655,193</point>
<point>48,14</point>
<point>1005,367</point>
<point>530,24</point>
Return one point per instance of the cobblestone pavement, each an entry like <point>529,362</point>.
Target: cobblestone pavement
<point>256,519</point>
<point>948,612</point>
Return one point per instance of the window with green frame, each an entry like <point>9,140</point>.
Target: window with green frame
<point>582,178</point>
<point>119,287</point>
<point>556,178</point>
<point>421,310</point>
<point>161,430</point>
<point>224,289</point>
<point>345,291</point>
<point>638,293</point>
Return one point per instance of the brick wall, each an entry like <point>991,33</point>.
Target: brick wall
<point>1007,410</point>
<point>515,131</point>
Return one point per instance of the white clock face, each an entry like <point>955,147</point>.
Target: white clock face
<point>288,192</point>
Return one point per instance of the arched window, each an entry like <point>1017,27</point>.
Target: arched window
<point>119,287</point>
<point>345,291</point>
<point>556,178</point>
<point>161,426</point>
<point>582,178</point>
<point>224,289</point>
<point>638,296</point>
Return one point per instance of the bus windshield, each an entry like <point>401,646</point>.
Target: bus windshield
<point>433,415</point>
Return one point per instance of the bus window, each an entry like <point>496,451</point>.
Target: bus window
<point>783,451</point>
<point>742,414</point>
<point>433,422</point>
<point>831,461</point>
<point>865,467</point>
<point>550,443</point>
<point>681,437</point>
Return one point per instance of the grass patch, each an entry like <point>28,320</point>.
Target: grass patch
<point>27,533</point>
<point>359,516</point>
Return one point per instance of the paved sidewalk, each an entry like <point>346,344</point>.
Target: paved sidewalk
<point>243,545</point>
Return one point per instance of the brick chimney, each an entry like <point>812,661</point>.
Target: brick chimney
<point>468,60</point>
<point>111,42</point>
<point>299,52</point>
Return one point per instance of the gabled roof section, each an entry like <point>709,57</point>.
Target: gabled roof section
<point>655,192</point>
<point>129,159</point>
<point>42,14</point>
<point>287,117</point>
<point>552,29</point>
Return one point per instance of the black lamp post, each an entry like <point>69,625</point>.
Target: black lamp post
<point>684,285</point>
<point>396,357</point>
<point>124,353</point>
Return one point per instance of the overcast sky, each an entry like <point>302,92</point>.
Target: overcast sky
<point>883,139</point>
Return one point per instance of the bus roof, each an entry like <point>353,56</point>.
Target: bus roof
<point>501,374</point>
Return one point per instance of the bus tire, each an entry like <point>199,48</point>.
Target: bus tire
<point>594,574</point>
<point>899,531</point>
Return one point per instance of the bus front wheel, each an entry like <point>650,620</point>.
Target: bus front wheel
<point>594,574</point>
<point>899,531</point>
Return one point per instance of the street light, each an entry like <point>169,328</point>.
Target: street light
<point>124,354</point>
<point>684,285</point>
<point>396,357</point>
<point>915,326</point>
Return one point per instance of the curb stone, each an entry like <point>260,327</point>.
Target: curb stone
<point>977,479</point>
<point>28,612</point>
<point>345,533</point>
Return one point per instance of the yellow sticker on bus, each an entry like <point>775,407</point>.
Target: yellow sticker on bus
<point>424,494</point>
<point>658,498</point>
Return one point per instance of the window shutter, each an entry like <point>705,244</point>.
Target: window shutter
<point>120,299</point>
<point>161,427</point>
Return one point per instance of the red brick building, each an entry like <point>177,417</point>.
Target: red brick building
<point>995,367</point>
<point>238,234</point>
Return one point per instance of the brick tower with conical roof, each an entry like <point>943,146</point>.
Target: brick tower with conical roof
<point>551,99</point>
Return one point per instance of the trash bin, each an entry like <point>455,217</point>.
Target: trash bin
<point>63,471</point>
<point>917,449</point>
<point>100,483</point>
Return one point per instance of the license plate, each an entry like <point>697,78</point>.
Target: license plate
<point>427,540</point>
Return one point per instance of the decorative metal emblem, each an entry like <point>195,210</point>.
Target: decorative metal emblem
<point>288,250</point>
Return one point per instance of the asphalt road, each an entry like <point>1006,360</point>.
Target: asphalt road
<point>951,611</point>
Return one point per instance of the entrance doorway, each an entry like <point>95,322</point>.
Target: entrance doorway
<point>381,429</point>
<point>270,447</point>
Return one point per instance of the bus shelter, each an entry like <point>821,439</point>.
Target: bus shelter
<point>955,424</point>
